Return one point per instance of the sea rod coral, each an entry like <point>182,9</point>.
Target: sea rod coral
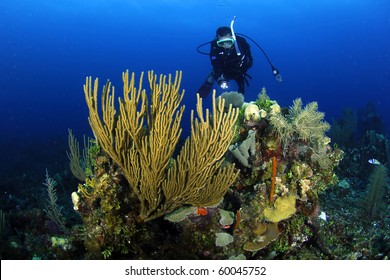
<point>142,136</point>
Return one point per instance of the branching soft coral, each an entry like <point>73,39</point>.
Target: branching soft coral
<point>142,135</point>
<point>302,124</point>
<point>308,122</point>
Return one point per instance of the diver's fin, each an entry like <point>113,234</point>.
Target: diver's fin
<point>205,89</point>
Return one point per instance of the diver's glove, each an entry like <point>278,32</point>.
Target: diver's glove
<point>222,82</point>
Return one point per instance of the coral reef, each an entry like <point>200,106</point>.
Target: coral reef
<point>294,177</point>
<point>285,203</point>
<point>135,178</point>
<point>141,139</point>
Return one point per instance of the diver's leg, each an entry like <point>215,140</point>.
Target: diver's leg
<point>241,85</point>
<point>205,89</point>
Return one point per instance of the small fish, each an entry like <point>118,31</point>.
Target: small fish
<point>374,161</point>
<point>201,211</point>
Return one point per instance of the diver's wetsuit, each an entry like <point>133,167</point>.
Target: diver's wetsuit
<point>226,62</point>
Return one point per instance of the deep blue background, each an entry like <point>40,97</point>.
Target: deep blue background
<point>336,52</point>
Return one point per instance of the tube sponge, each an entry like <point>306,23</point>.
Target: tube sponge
<point>247,148</point>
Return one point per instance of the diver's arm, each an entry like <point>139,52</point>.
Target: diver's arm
<point>216,63</point>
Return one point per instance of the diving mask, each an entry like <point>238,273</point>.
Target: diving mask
<point>226,43</point>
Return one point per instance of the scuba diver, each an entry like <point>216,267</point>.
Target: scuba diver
<point>230,57</point>
<point>227,63</point>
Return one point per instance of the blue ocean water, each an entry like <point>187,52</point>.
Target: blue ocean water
<point>334,52</point>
